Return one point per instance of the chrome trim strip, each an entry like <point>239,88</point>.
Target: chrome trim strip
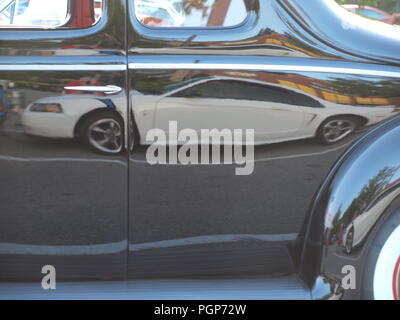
<point>62,67</point>
<point>262,67</point>
<point>109,89</point>
<point>198,66</point>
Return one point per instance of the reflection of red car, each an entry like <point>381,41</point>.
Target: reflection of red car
<point>369,12</point>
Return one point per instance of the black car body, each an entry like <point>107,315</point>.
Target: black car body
<point>288,230</point>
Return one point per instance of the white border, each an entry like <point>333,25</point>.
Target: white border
<point>385,265</point>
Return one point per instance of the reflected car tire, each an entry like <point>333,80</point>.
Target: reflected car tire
<point>104,133</point>
<point>134,137</point>
<point>335,129</point>
<point>349,241</point>
<point>381,277</point>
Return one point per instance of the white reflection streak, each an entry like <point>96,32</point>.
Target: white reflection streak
<point>229,238</point>
<point>19,159</point>
<point>95,249</point>
<point>295,156</point>
<point>121,246</point>
<point>301,155</point>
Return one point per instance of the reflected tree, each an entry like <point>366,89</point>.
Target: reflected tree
<point>370,191</point>
<point>387,5</point>
<point>375,186</point>
<point>366,88</point>
<point>202,5</point>
<point>189,5</point>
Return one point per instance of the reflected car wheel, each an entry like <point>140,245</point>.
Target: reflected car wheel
<point>104,133</point>
<point>381,279</point>
<point>134,137</point>
<point>349,241</point>
<point>336,129</point>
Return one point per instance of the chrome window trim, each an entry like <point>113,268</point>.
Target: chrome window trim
<point>198,66</point>
<point>108,89</point>
<point>262,67</point>
<point>61,67</point>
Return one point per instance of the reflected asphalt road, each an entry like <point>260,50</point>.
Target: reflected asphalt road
<point>196,206</point>
<point>47,215</point>
<point>254,210</point>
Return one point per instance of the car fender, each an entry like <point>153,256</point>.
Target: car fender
<point>364,181</point>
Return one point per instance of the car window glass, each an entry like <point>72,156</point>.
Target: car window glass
<point>370,14</point>
<point>305,101</point>
<point>237,90</point>
<point>49,13</point>
<point>190,13</point>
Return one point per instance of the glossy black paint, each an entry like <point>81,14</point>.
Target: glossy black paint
<point>117,216</point>
<point>360,192</point>
<point>344,31</point>
<point>61,204</point>
<point>198,201</point>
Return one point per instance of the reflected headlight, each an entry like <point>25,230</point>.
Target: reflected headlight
<point>46,107</point>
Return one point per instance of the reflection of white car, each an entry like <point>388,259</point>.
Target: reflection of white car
<point>275,113</point>
<point>357,231</point>
<point>97,120</point>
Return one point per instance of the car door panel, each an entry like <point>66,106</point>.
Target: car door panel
<point>62,203</point>
<point>203,220</point>
<point>109,214</point>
